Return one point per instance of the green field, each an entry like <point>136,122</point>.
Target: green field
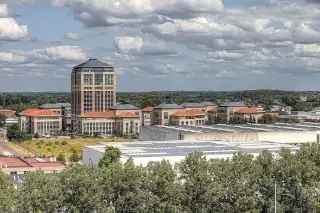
<point>55,147</point>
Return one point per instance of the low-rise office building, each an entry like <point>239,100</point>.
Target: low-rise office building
<point>40,122</point>
<point>111,123</point>
<point>248,115</point>
<point>227,110</point>
<point>189,117</point>
<point>63,109</point>
<point>162,113</point>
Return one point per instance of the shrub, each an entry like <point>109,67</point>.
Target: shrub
<point>61,157</point>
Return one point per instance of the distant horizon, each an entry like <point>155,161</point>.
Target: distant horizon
<point>149,91</point>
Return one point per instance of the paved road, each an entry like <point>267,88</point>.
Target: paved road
<point>4,149</point>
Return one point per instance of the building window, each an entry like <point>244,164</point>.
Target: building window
<point>108,79</point>
<point>99,101</point>
<point>108,99</point>
<point>87,101</point>
<point>166,115</point>
<point>87,79</point>
<point>98,77</point>
<point>127,128</point>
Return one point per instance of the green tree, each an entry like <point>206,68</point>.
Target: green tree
<point>13,132</point>
<point>40,193</point>
<point>162,182</point>
<point>111,155</point>
<point>290,175</point>
<point>233,188</point>
<point>195,176</point>
<point>7,194</point>
<point>61,157</point>
<point>74,157</point>
<point>82,192</point>
<point>125,188</point>
<point>265,180</point>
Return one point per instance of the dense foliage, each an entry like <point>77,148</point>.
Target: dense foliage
<point>240,184</point>
<point>14,133</point>
<point>111,155</point>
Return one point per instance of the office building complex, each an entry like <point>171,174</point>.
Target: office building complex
<point>42,122</point>
<point>93,89</point>
<point>64,110</point>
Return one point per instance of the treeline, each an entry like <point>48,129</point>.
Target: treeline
<point>20,101</point>
<point>241,184</point>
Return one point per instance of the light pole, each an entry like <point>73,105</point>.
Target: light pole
<point>275,197</point>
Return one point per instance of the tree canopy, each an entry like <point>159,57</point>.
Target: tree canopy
<point>111,155</point>
<point>241,184</point>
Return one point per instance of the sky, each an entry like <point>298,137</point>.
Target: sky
<point>162,45</point>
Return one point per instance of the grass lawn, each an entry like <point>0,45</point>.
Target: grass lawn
<point>54,147</point>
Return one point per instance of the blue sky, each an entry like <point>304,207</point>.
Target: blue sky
<point>162,45</point>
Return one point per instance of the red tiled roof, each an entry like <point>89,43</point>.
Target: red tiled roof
<point>107,114</point>
<point>12,162</point>
<point>39,113</point>
<point>147,109</point>
<point>43,162</point>
<point>16,162</point>
<point>111,114</point>
<point>127,115</point>
<point>212,110</point>
<point>189,113</point>
<point>247,110</point>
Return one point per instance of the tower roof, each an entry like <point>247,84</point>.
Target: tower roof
<point>93,63</point>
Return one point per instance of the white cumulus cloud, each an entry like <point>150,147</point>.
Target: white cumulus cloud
<point>11,30</point>
<point>128,44</point>
<point>10,57</point>
<point>110,12</point>
<point>68,53</point>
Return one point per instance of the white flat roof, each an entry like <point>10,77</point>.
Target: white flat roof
<point>143,152</point>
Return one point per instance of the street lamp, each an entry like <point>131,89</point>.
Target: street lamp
<point>275,196</point>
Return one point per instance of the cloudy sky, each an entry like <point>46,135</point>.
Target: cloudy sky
<point>162,44</point>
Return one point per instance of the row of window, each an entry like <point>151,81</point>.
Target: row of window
<point>107,100</point>
<point>98,79</point>
<point>97,127</point>
<point>48,127</point>
<point>191,123</point>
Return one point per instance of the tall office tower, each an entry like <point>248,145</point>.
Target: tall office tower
<point>93,88</point>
